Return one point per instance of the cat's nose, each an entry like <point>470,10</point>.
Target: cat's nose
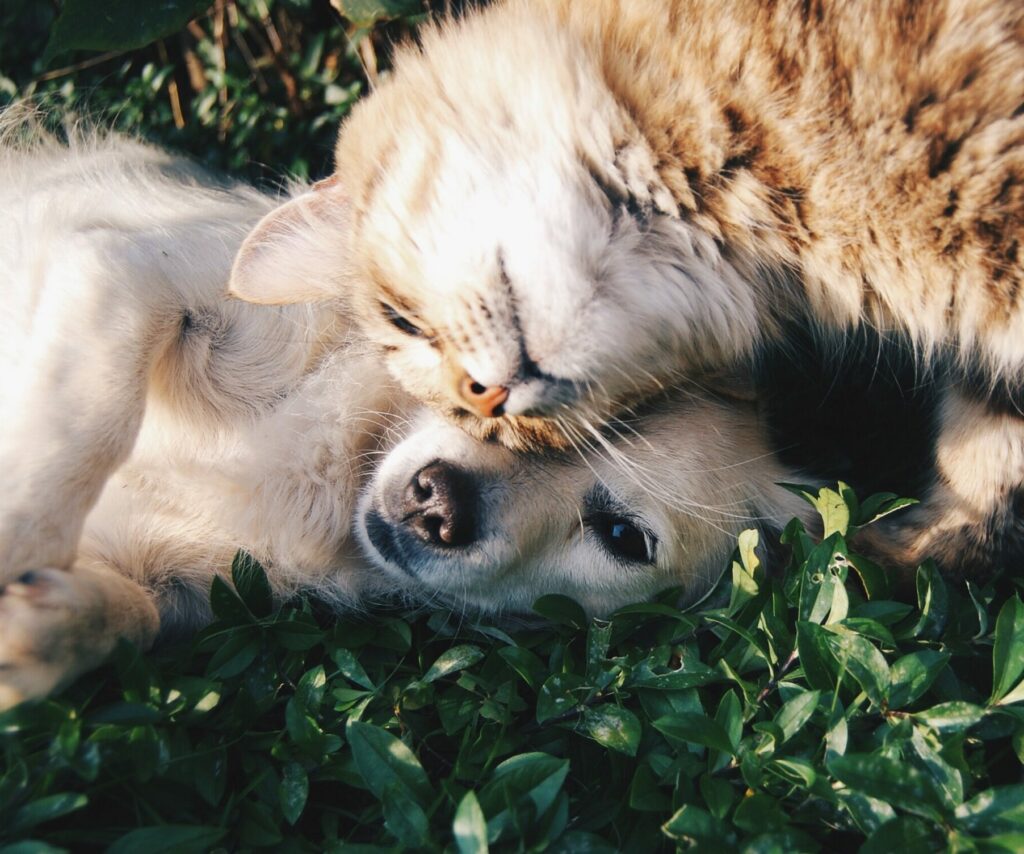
<point>485,401</point>
<point>439,506</point>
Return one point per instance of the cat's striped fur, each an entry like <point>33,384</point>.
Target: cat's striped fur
<point>566,205</point>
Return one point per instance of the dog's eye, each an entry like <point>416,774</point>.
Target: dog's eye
<point>400,322</point>
<point>623,538</point>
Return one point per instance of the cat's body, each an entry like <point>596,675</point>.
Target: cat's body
<point>580,200</point>
<point>553,210</point>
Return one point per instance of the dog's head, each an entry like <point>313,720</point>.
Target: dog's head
<point>476,526</point>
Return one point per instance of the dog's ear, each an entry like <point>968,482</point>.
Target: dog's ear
<point>296,253</point>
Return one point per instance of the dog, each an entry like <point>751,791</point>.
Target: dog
<point>153,427</point>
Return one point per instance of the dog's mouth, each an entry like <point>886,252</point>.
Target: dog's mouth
<point>383,538</point>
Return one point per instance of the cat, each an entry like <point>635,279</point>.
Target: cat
<point>554,209</point>
<point>568,204</point>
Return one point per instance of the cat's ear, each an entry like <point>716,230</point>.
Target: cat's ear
<point>296,253</point>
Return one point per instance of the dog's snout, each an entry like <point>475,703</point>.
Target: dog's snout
<point>439,505</point>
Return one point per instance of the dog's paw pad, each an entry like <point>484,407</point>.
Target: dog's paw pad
<point>40,615</point>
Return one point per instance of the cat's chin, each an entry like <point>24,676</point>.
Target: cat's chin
<point>516,432</point>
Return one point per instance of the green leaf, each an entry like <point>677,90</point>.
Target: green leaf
<point>698,827</point>
<point>31,846</point>
<point>404,816</point>
<point>822,580</point>
<point>469,826</point>
<point>351,669</point>
<point>729,716</point>
<point>795,712</point>
<point>252,585</point>
<point>863,662</point>
<point>759,812</point>
<point>117,24</point>
<point>385,762</point>
<point>955,715</point>
<point>453,660</point>
<point>897,783</point>
<point>168,839</point>
<point>932,601</point>
<point>994,810</point>
<point>293,791</point>
<point>599,636</point>
<point>534,777</point>
<point>365,13</point>
<point>718,794</point>
<point>613,727</point>
<point>905,834</point>
<point>46,809</point>
<point>560,694</point>
<point>225,603</point>
<point>561,610</point>
<point>815,655</point>
<point>946,779</point>
<point>913,674</point>
<point>880,505</point>
<point>526,664</point>
<point>831,506</point>
<point>692,728</point>
<point>1008,648</point>
<point>645,795</point>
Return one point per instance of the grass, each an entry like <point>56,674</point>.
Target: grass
<point>812,712</point>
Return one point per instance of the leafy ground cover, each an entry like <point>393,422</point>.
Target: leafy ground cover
<point>810,711</point>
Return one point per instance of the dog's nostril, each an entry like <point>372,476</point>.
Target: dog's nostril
<point>476,388</point>
<point>439,506</point>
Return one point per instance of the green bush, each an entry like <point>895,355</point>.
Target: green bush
<point>255,87</point>
<point>811,712</point>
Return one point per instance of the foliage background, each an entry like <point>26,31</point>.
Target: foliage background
<point>254,87</point>
<point>813,711</point>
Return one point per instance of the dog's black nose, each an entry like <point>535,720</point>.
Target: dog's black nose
<point>439,505</point>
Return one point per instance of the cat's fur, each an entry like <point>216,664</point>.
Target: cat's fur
<point>581,199</point>
<point>569,204</point>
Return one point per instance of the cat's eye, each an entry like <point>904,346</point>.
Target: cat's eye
<point>400,322</point>
<point>622,537</point>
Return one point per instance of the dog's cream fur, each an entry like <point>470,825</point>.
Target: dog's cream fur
<point>152,427</point>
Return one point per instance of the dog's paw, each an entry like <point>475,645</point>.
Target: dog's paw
<point>49,627</point>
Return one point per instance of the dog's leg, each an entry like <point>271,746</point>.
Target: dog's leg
<point>72,404</point>
<point>55,625</point>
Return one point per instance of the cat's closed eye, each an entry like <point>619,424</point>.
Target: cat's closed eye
<point>400,322</point>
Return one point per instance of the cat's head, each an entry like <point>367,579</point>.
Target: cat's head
<point>498,226</point>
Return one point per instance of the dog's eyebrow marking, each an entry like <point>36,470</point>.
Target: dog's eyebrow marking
<point>599,497</point>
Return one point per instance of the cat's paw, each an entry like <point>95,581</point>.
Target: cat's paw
<point>49,624</point>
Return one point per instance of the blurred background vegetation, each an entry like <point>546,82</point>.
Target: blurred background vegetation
<point>253,87</point>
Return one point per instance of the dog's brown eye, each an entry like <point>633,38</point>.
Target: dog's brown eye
<point>400,322</point>
<point>623,538</point>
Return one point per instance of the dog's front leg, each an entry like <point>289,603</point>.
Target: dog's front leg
<point>56,625</point>
<point>72,401</point>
